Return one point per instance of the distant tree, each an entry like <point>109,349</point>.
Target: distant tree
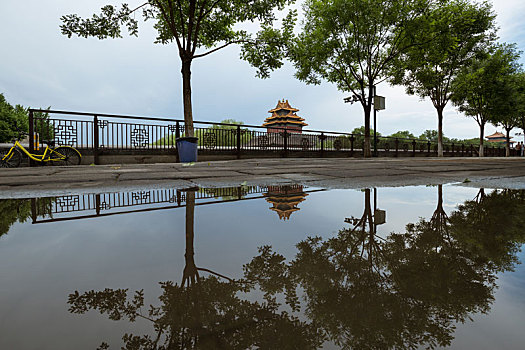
<point>432,136</point>
<point>405,134</point>
<point>459,29</point>
<point>351,44</point>
<point>477,87</point>
<point>9,117</point>
<point>362,131</point>
<point>193,25</point>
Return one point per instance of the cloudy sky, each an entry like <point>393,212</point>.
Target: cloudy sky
<point>40,68</point>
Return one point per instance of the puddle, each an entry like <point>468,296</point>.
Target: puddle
<point>272,267</point>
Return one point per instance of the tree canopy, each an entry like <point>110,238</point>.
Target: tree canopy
<point>450,37</point>
<point>198,28</point>
<point>479,89</point>
<point>352,43</point>
<point>9,117</point>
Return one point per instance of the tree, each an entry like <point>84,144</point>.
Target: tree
<point>432,136</point>
<point>459,30</point>
<point>9,117</point>
<point>477,87</point>
<point>351,44</point>
<point>193,25</point>
<point>520,99</point>
<point>508,104</point>
<point>405,134</point>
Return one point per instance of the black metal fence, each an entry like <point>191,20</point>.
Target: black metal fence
<point>101,134</point>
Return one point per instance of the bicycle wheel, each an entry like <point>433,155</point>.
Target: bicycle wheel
<point>71,156</point>
<point>13,160</point>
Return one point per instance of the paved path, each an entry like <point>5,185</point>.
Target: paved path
<point>327,173</point>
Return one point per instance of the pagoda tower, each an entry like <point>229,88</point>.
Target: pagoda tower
<point>498,137</point>
<point>285,199</point>
<point>283,116</point>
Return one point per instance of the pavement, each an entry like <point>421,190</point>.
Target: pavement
<point>312,172</point>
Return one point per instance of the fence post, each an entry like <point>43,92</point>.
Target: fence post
<point>322,137</point>
<point>177,135</point>
<point>413,148</point>
<point>34,213</point>
<point>239,192</point>
<point>285,135</point>
<point>397,147</point>
<point>97,204</point>
<point>428,148</point>
<point>238,142</point>
<point>31,136</point>
<point>352,145</point>
<point>96,141</point>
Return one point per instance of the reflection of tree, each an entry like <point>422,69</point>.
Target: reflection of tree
<point>13,210</point>
<point>358,290</point>
<point>227,193</point>
<point>491,227</point>
<point>437,270</point>
<point>409,289</point>
<point>20,210</point>
<point>202,312</point>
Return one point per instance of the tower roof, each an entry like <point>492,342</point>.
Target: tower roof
<point>289,118</point>
<point>283,105</point>
<point>496,135</point>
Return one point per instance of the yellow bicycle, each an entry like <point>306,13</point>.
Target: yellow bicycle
<point>63,155</point>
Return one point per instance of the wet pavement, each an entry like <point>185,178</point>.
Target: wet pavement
<point>326,173</point>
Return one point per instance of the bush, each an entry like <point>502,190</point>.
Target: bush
<point>9,116</point>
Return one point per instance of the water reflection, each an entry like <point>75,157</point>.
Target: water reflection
<point>21,210</point>
<point>202,312</point>
<point>357,289</point>
<point>285,200</point>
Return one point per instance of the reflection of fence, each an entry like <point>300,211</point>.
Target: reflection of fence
<point>107,201</point>
<point>108,134</point>
<point>96,205</point>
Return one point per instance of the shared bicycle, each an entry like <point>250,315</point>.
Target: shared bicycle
<point>62,155</point>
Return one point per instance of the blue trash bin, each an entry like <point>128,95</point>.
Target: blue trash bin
<point>187,148</point>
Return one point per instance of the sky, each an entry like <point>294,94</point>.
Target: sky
<point>39,67</point>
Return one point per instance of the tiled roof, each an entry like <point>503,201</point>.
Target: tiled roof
<point>283,105</point>
<point>496,135</point>
<point>289,118</point>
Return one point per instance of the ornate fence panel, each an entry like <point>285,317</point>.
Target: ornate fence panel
<point>107,134</point>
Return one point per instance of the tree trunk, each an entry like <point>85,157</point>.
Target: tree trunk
<point>507,146</point>
<point>366,148</point>
<point>186,96</point>
<point>190,274</point>
<point>440,131</point>
<point>481,136</point>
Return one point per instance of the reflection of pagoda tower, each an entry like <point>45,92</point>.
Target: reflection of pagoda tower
<point>285,199</point>
<point>283,116</point>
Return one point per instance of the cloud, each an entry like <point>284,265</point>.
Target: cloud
<point>41,68</point>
